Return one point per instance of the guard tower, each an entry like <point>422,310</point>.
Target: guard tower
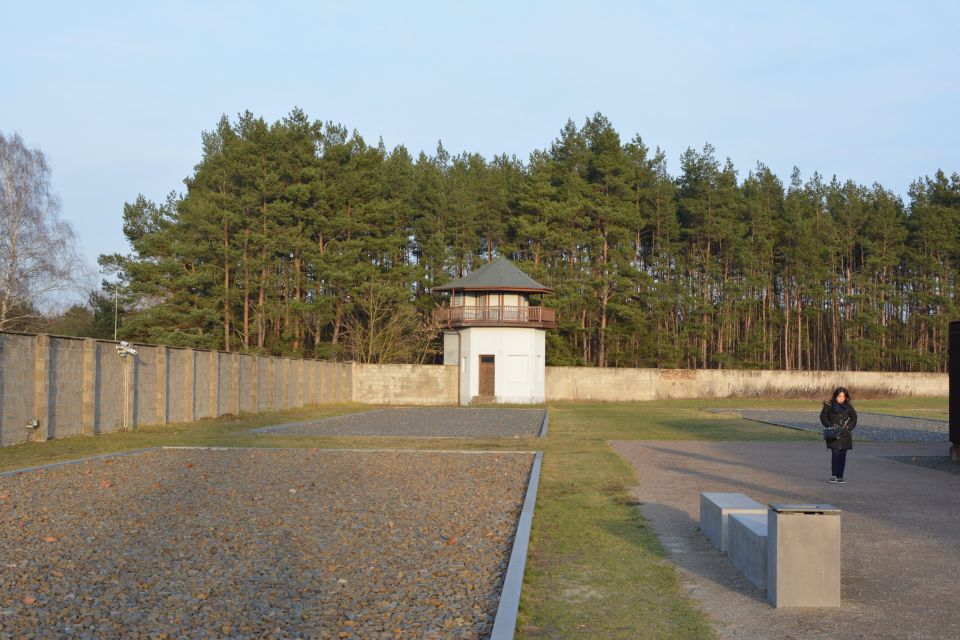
<point>495,334</point>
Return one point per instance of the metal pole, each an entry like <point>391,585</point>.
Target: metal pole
<point>116,304</point>
<point>126,392</point>
<point>953,359</point>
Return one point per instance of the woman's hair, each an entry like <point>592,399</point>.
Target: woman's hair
<point>838,391</point>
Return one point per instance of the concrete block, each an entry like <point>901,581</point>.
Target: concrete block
<point>715,510</point>
<point>803,556</point>
<point>748,546</point>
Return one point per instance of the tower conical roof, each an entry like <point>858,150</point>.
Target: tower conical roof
<point>499,275</point>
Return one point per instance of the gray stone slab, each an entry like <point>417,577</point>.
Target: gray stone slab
<point>715,510</point>
<point>748,546</point>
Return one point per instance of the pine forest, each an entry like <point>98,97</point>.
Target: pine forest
<point>299,237</point>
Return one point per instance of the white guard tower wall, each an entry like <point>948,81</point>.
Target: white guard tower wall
<point>518,362</point>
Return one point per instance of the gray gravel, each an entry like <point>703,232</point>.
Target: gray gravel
<point>259,544</point>
<point>444,422</point>
<point>870,426</point>
<point>937,463</point>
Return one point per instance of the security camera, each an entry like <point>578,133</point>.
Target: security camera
<point>124,349</point>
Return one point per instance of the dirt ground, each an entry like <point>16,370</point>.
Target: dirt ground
<point>900,528</point>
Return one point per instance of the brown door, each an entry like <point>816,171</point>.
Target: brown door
<point>486,375</point>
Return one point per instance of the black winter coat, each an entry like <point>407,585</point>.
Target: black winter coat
<point>828,418</point>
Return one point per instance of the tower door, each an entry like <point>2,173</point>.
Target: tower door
<point>486,375</point>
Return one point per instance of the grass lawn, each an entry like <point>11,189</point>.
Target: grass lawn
<point>594,570</point>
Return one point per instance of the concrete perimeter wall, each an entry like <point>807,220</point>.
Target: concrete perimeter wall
<point>405,384</point>
<point>589,384</point>
<point>78,386</point>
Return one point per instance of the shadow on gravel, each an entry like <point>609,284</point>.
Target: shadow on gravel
<point>747,487</point>
<point>702,457</point>
<point>937,463</point>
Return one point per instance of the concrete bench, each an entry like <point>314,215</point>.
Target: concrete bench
<point>748,546</point>
<point>715,510</point>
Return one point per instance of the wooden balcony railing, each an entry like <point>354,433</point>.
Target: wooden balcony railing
<point>540,317</point>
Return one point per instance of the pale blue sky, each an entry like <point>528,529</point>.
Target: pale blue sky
<point>117,94</point>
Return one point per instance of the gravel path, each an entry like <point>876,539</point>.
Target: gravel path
<point>870,426</point>
<point>259,544</point>
<point>899,522</point>
<point>422,423</point>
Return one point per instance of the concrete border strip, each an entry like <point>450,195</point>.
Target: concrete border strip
<point>903,417</point>
<point>63,463</point>
<point>544,424</point>
<point>355,450</point>
<point>131,452</point>
<point>758,420</point>
<point>332,435</point>
<point>505,623</point>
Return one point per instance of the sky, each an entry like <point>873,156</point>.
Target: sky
<point>117,94</point>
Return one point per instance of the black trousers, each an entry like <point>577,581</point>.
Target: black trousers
<point>838,461</point>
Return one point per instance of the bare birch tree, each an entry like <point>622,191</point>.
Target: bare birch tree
<point>382,329</point>
<point>38,254</point>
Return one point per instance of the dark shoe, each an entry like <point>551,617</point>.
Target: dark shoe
<point>834,480</point>
<point>839,480</point>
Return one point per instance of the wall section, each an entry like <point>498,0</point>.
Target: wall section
<point>78,386</point>
<point>405,384</point>
<point>590,384</point>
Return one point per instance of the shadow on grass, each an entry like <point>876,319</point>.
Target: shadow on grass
<point>675,537</point>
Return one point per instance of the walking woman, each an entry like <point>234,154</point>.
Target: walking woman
<point>839,413</point>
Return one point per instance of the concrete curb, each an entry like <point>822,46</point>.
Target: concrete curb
<point>53,465</point>
<point>758,420</point>
<point>505,623</point>
<point>902,417</point>
<point>544,424</point>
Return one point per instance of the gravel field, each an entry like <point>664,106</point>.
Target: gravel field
<point>879,427</point>
<point>444,422</point>
<point>243,543</point>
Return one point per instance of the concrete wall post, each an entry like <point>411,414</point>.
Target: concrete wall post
<point>300,383</point>
<point>88,408</point>
<point>255,383</point>
<point>322,382</point>
<point>272,380</point>
<point>235,382</point>
<point>41,386</point>
<point>163,380</point>
<point>214,384</point>
<point>130,364</point>
<point>189,366</point>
